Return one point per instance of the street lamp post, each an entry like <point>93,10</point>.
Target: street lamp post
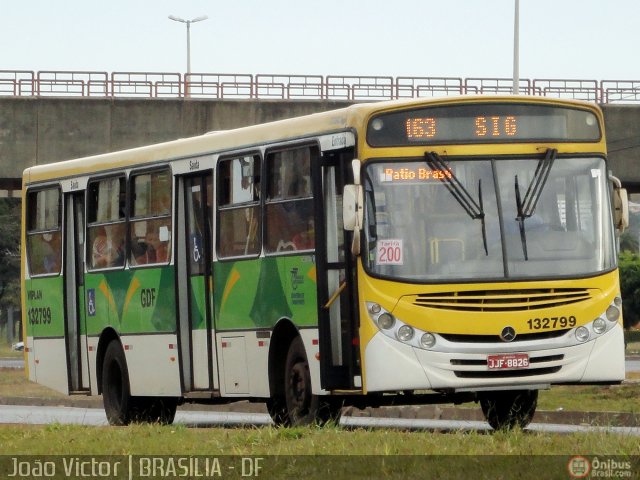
<point>516,49</point>
<point>188,23</point>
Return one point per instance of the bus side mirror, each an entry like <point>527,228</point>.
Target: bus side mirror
<point>621,209</point>
<point>353,206</point>
<point>620,205</point>
<point>353,213</point>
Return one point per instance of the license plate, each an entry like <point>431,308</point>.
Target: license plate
<point>508,361</point>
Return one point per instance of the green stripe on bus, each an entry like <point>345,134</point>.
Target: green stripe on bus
<point>259,292</point>
<point>45,307</point>
<point>133,301</point>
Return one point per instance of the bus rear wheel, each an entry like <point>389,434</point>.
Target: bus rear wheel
<point>120,407</point>
<point>298,405</point>
<point>116,393</point>
<point>160,410</point>
<point>508,410</point>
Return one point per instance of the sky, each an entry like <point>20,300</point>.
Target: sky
<point>566,39</point>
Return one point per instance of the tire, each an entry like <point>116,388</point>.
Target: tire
<point>508,410</point>
<point>120,407</point>
<point>160,410</point>
<point>277,408</point>
<point>299,406</point>
<point>116,393</point>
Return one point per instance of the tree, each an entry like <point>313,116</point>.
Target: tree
<point>10,252</point>
<point>629,264</point>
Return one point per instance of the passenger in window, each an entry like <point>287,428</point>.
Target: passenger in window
<point>145,251</point>
<point>108,247</point>
<point>164,204</point>
<point>157,251</point>
<point>139,251</point>
<point>52,258</point>
<point>305,240</point>
<point>44,253</point>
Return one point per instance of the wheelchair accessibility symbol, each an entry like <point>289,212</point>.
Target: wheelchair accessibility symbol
<point>91,302</point>
<point>196,255</point>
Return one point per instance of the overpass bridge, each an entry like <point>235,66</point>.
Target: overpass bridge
<point>49,116</point>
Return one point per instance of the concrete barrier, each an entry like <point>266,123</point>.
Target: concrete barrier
<point>36,130</point>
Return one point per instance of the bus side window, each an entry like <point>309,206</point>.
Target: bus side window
<point>106,225</point>
<point>44,238</point>
<point>239,219</point>
<point>289,203</point>
<point>150,231</point>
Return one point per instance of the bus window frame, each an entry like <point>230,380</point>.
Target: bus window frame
<point>131,219</point>
<point>121,221</point>
<point>315,153</point>
<point>220,208</point>
<point>31,233</point>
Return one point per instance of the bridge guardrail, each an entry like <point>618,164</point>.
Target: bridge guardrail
<point>23,83</point>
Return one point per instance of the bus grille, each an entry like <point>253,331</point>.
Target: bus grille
<point>502,300</point>
<point>522,337</point>
<point>538,366</point>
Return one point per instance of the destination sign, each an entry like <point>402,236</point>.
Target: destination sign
<point>483,123</point>
<point>411,173</point>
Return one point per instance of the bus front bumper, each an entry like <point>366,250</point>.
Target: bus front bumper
<point>391,365</point>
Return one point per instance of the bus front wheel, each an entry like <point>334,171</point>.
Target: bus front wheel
<point>507,410</point>
<point>298,405</point>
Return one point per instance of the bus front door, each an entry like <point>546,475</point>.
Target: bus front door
<point>193,265</point>
<point>75,317</point>
<point>337,323</point>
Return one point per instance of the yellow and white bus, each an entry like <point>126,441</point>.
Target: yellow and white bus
<point>441,250</point>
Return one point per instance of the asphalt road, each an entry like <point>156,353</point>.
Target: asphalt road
<point>11,363</point>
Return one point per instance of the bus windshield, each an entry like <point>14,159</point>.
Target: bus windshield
<point>431,219</point>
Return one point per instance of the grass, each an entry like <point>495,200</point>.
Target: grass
<point>328,452</point>
<point>13,383</point>
<point>328,440</point>
<point>589,398</point>
<point>7,352</point>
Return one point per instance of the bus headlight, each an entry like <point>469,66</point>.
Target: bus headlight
<point>599,325</point>
<point>398,330</point>
<point>427,340</point>
<point>613,313</point>
<point>386,321</point>
<point>405,333</point>
<point>617,302</point>
<point>582,334</point>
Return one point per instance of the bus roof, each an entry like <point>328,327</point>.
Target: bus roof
<point>262,134</point>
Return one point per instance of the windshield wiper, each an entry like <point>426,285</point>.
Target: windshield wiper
<point>474,209</point>
<point>527,207</point>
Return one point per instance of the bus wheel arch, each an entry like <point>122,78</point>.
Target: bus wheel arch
<point>292,401</point>
<point>108,335</point>
<point>120,406</point>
